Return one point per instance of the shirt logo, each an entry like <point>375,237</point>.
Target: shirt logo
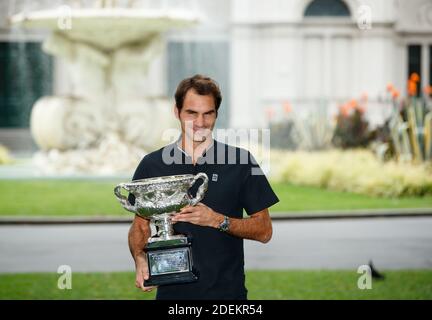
<point>214,177</point>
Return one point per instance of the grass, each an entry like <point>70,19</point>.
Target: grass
<point>58,198</point>
<point>301,198</point>
<point>278,285</point>
<point>96,198</point>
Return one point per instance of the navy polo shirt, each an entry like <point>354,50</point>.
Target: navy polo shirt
<point>236,183</point>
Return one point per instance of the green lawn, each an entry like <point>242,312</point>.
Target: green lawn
<point>280,285</point>
<point>95,198</point>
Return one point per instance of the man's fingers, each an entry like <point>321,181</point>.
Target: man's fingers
<point>187,209</point>
<point>186,217</point>
<point>146,289</point>
<point>139,283</point>
<point>141,275</point>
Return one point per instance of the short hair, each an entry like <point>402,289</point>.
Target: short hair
<point>202,85</point>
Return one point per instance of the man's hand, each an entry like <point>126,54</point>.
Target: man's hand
<point>257,227</point>
<point>142,273</point>
<point>200,215</point>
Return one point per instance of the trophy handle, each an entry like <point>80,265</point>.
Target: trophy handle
<point>122,199</point>
<point>202,188</point>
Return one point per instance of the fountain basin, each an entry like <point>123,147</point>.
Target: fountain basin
<point>107,28</point>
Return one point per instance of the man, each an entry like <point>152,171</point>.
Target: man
<point>216,224</point>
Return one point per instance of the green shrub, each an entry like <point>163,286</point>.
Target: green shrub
<point>5,156</point>
<point>282,135</point>
<point>352,129</point>
<point>356,170</point>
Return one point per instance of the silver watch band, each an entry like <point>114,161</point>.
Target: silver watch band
<point>224,226</point>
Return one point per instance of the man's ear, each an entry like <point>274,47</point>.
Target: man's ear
<point>176,112</point>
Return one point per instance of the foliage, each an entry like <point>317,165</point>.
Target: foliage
<point>352,129</point>
<point>282,136</point>
<point>382,143</point>
<point>5,157</point>
<point>410,123</point>
<point>357,171</point>
<point>305,127</point>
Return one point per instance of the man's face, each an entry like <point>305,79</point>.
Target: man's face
<point>197,117</point>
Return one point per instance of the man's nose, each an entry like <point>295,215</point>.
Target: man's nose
<point>199,121</point>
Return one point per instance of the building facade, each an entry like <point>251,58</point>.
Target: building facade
<point>265,54</point>
<point>305,51</point>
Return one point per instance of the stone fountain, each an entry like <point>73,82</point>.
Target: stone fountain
<point>108,121</point>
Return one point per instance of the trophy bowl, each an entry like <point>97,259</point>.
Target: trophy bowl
<point>169,255</point>
<point>161,195</point>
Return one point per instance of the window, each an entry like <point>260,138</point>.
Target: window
<point>26,75</point>
<point>414,63</point>
<point>323,8</point>
<point>430,66</point>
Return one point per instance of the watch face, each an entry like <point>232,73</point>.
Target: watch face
<point>224,225</point>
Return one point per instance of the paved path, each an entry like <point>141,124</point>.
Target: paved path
<point>330,244</point>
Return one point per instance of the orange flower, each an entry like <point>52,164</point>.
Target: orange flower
<point>287,107</point>
<point>352,104</point>
<point>395,94</point>
<point>414,77</point>
<point>344,110</point>
<point>412,88</point>
<point>427,90</point>
<point>389,87</point>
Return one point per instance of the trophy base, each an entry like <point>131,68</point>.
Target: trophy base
<point>169,279</point>
<point>170,262</point>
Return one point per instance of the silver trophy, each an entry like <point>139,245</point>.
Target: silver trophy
<point>169,255</point>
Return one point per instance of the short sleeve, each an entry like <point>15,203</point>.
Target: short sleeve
<point>141,172</point>
<point>256,192</point>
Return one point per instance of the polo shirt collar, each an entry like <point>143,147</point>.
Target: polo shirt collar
<point>187,155</point>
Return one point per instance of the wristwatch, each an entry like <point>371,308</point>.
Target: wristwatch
<point>224,226</point>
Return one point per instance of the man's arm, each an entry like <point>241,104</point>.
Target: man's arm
<point>257,227</point>
<point>139,233</point>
